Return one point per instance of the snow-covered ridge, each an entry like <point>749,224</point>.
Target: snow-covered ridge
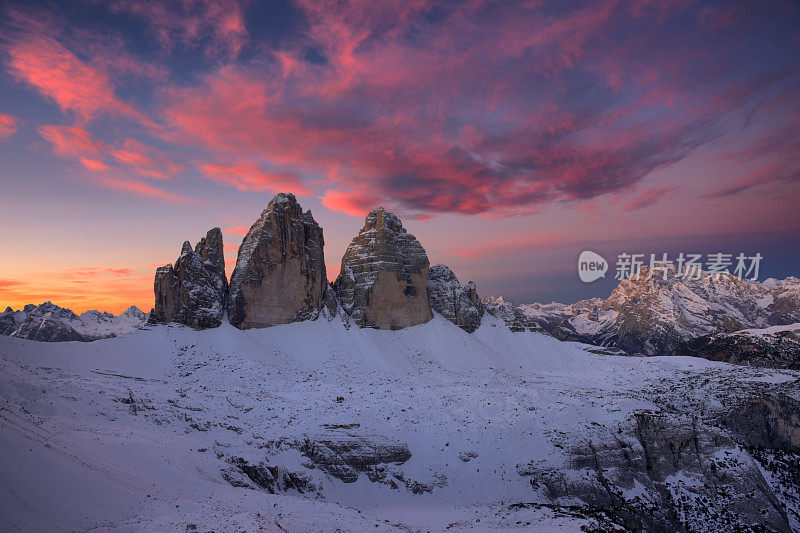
<point>50,322</point>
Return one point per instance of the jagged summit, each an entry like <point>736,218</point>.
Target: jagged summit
<point>282,200</point>
<point>460,305</point>
<point>280,270</point>
<point>280,277</point>
<point>384,275</point>
<point>193,291</point>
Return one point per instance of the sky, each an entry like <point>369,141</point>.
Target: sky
<point>508,136</point>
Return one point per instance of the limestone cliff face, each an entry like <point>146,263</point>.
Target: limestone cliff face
<point>193,291</point>
<point>383,282</point>
<point>280,271</point>
<point>458,304</point>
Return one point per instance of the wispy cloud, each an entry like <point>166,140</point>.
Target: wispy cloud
<point>8,125</point>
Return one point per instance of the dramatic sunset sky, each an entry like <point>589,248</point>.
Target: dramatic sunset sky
<point>507,136</point>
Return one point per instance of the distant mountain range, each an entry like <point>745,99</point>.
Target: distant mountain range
<point>51,323</point>
<point>657,315</point>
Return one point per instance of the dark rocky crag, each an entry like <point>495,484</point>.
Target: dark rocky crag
<point>778,349</point>
<point>193,291</point>
<point>460,305</point>
<point>383,282</point>
<point>280,271</point>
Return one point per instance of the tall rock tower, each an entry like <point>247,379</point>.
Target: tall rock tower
<point>384,276</point>
<point>280,271</point>
<point>193,291</point>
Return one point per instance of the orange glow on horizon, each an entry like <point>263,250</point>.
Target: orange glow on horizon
<point>81,289</point>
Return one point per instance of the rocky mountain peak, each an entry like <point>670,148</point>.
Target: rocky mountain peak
<point>384,275</point>
<point>280,272</point>
<point>284,201</point>
<point>134,311</point>
<point>382,220</point>
<point>460,305</point>
<point>210,249</point>
<point>194,290</point>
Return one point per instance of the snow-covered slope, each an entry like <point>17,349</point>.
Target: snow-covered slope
<point>313,426</point>
<point>653,315</point>
<point>49,322</point>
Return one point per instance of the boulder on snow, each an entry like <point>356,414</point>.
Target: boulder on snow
<point>383,282</point>
<point>460,305</point>
<point>280,271</point>
<point>193,291</point>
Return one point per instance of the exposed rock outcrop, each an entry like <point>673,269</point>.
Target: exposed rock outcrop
<point>193,291</point>
<point>689,471</point>
<point>383,282</point>
<point>776,347</point>
<point>460,305</point>
<point>767,421</point>
<point>280,271</point>
<point>47,328</point>
<point>343,453</point>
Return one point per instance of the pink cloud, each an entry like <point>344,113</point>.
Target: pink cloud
<point>383,118</point>
<point>646,198</point>
<point>776,157</point>
<point>75,86</point>
<point>78,143</point>
<point>240,230</point>
<point>190,23</point>
<point>146,160</point>
<point>356,204</point>
<point>91,164</point>
<point>8,125</point>
<point>377,122</point>
<point>248,177</point>
<point>75,142</point>
<point>141,188</point>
